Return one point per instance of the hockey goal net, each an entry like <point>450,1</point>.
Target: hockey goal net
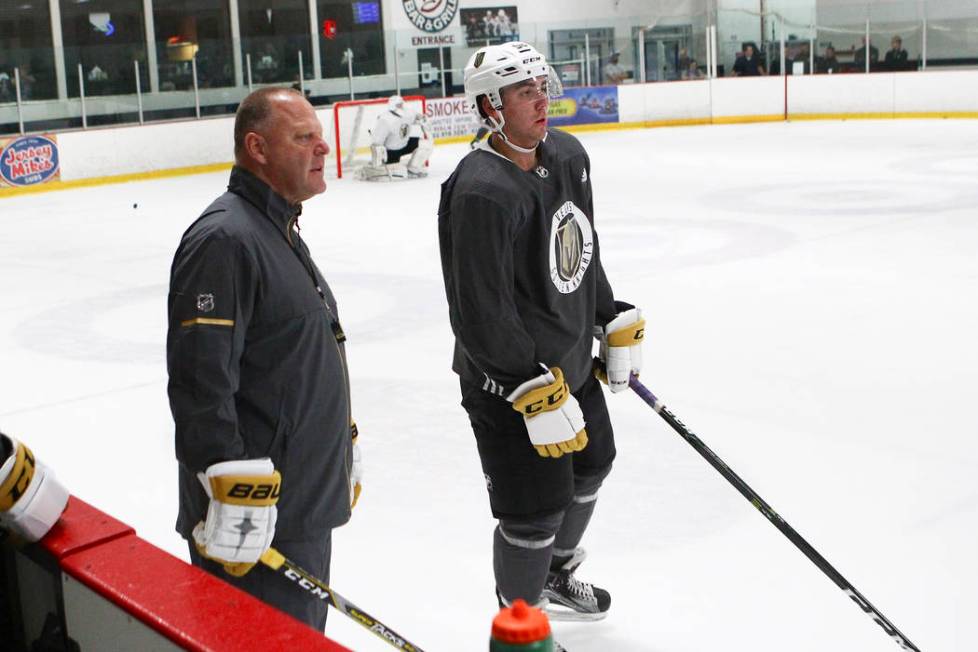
<point>352,122</point>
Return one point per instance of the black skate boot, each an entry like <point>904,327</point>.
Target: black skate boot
<point>571,599</point>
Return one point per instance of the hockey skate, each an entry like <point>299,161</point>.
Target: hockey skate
<point>571,599</point>
<point>541,604</point>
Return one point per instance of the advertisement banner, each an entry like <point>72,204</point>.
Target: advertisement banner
<point>29,160</point>
<point>450,117</point>
<point>584,106</point>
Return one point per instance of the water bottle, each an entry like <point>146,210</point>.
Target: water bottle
<point>521,628</point>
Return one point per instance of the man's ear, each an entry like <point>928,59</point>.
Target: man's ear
<point>255,145</point>
<point>487,106</point>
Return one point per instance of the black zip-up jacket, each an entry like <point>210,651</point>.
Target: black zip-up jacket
<point>256,360</point>
<point>522,265</point>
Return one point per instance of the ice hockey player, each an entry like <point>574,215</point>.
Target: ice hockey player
<point>31,498</point>
<point>526,293</point>
<point>399,131</point>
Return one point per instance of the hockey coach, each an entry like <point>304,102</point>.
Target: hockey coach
<point>258,383</point>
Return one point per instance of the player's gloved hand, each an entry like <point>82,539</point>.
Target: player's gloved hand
<point>356,471</point>
<point>621,348</point>
<point>240,522</point>
<point>31,498</point>
<point>553,418</point>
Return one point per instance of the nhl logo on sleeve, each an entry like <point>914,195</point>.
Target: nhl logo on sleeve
<point>205,303</point>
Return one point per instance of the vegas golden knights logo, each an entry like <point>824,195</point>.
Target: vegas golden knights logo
<point>568,243</point>
<point>571,247</point>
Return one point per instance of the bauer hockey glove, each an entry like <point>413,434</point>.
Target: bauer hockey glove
<point>31,498</point>
<point>240,522</point>
<point>356,470</point>
<point>621,348</point>
<point>553,418</point>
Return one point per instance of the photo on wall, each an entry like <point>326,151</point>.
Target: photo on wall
<point>489,25</point>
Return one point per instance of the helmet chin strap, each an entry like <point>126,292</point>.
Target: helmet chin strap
<point>496,126</point>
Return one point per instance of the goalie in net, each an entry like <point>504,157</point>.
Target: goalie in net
<point>398,132</point>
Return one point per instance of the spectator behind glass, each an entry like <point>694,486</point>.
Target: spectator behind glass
<point>7,90</point>
<point>614,72</point>
<point>859,56</point>
<point>748,64</point>
<point>692,70</point>
<point>827,64</point>
<point>896,56</point>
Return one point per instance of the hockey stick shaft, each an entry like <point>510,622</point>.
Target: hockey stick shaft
<point>771,515</point>
<point>318,589</point>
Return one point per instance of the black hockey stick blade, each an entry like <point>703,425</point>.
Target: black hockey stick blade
<point>318,589</point>
<point>771,515</point>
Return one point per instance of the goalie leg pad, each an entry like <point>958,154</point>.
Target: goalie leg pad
<point>378,156</point>
<point>419,159</point>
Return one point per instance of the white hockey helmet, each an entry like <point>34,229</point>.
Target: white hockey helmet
<point>495,66</point>
<point>395,103</point>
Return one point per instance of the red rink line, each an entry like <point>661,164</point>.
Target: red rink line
<point>186,605</point>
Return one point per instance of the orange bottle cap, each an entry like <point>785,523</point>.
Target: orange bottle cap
<point>520,623</point>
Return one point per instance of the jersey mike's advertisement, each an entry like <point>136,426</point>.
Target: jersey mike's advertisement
<point>29,160</point>
<point>586,105</point>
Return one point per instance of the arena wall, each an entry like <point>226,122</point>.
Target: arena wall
<point>133,152</point>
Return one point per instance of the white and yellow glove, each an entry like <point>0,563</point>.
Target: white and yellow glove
<point>240,522</point>
<point>553,418</point>
<point>31,498</point>
<point>621,348</point>
<point>356,471</point>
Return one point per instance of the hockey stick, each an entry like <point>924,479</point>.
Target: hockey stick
<point>771,515</point>
<point>285,567</point>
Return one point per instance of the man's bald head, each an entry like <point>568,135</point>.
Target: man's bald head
<point>254,112</point>
<point>279,139</point>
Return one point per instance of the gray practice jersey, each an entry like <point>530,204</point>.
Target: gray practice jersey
<point>522,265</point>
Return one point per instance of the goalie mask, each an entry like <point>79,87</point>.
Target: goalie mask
<point>395,104</point>
<point>494,67</point>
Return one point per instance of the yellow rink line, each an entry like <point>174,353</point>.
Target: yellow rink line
<point>115,178</point>
<point>609,126</point>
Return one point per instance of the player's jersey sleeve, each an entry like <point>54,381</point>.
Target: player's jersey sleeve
<point>477,256</point>
<point>211,299</point>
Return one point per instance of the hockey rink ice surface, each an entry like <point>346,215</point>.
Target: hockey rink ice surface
<point>810,290</point>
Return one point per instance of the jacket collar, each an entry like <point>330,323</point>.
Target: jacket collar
<point>246,185</point>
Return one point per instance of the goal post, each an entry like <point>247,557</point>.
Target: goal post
<point>352,122</point>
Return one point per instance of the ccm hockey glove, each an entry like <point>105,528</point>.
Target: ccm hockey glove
<point>31,498</point>
<point>240,522</point>
<point>553,418</point>
<point>621,348</point>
